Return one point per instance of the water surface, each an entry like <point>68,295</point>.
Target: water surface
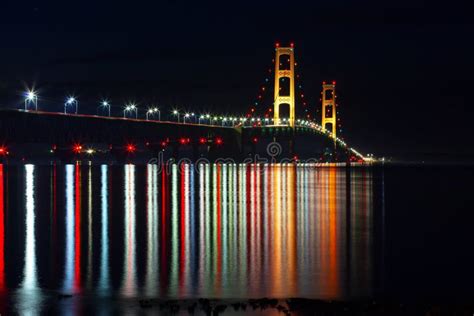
<point>215,231</point>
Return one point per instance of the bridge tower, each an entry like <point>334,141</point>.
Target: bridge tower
<point>289,73</point>
<point>329,107</point>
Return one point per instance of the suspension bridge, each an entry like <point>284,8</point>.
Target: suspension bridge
<point>30,134</point>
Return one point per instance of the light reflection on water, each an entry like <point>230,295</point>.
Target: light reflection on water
<point>104,274</point>
<point>215,231</point>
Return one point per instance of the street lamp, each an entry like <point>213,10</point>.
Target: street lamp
<point>152,111</point>
<point>106,104</point>
<point>31,97</point>
<point>185,117</point>
<point>131,107</point>
<point>70,101</point>
<point>125,110</point>
<point>201,117</point>
<point>176,113</point>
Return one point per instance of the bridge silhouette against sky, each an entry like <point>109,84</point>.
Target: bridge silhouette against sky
<point>30,132</point>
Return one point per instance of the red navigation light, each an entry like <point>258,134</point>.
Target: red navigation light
<point>77,148</point>
<point>3,150</point>
<point>147,143</point>
<point>219,141</point>
<point>255,140</point>
<point>292,44</point>
<point>295,158</point>
<point>334,82</point>
<point>202,140</point>
<point>324,82</point>
<point>277,44</point>
<point>182,141</point>
<point>131,148</point>
<point>163,144</point>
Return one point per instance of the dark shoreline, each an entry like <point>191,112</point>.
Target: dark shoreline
<point>243,306</point>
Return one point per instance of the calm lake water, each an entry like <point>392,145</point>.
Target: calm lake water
<point>233,231</point>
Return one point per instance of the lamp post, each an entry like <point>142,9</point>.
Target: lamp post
<point>31,97</point>
<point>133,107</point>
<point>150,111</point>
<point>125,110</point>
<point>130,107</point>
<point>70,101</point>
<point>185,117</point>
<point>106,104</point>
<point>176,113</point>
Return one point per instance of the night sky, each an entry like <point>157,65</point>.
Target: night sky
<point>403,68</point>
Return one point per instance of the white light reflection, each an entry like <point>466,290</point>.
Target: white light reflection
<point>104,282</point>
<point>202,241</point>
<point>174,231</point>
<point>30,280</point>
<point>151,278</point>
<point>129,278</point>
<point>29,296</point>
<point>69,253</point>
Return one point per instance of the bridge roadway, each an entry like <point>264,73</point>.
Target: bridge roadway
<point>30,135</point>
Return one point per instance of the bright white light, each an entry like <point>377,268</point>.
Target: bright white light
<point>105,103</point>
<point>175,112</point>
<point>71,100</point>
<point>30,95</point>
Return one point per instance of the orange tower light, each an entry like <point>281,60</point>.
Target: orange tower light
<point>284,73</point>
<point>328,121</point>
